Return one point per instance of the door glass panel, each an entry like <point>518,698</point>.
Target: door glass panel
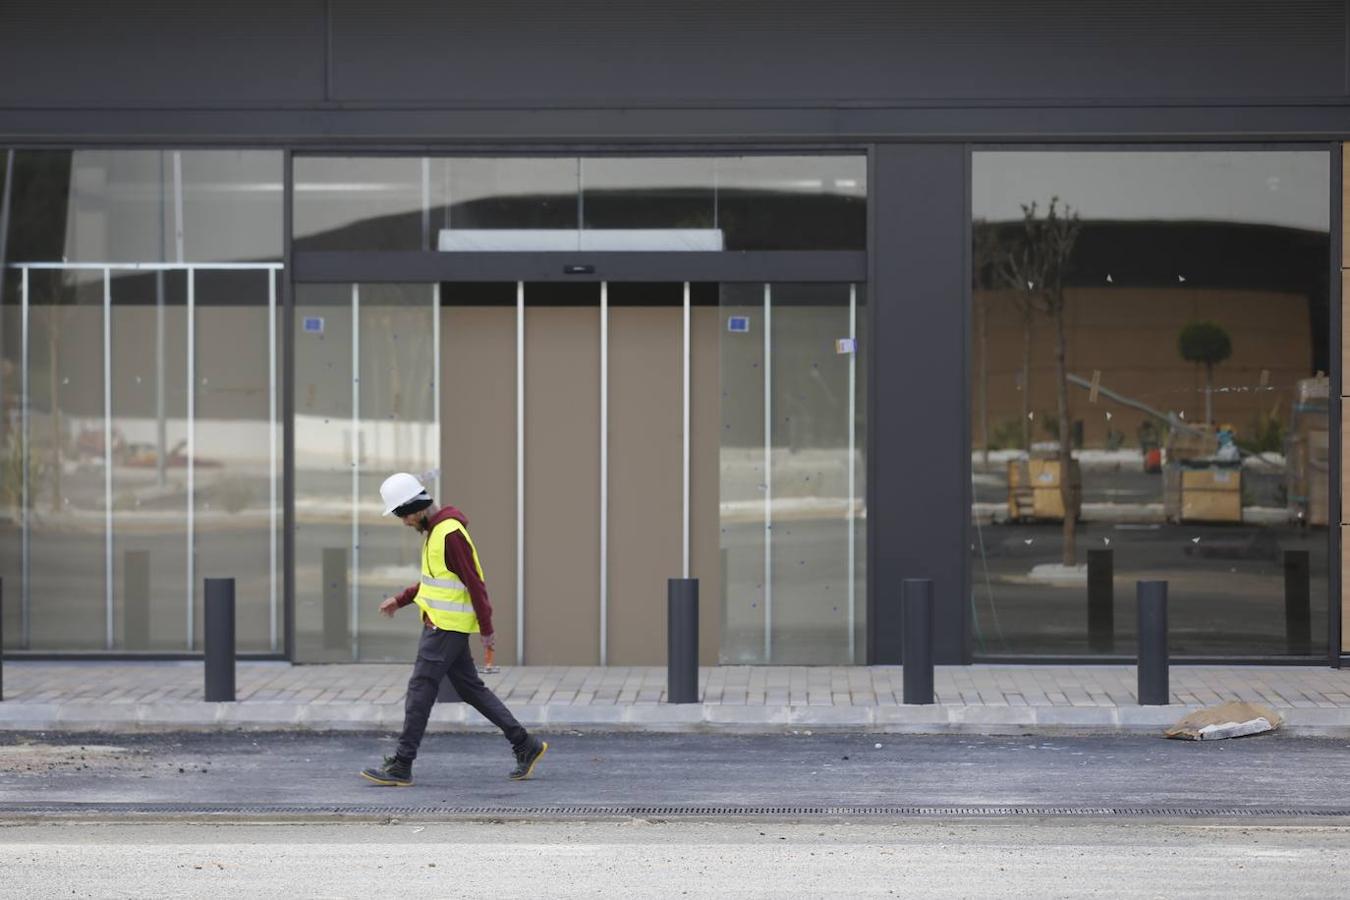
<point>149,479</point>
<point>398,432</point>
<point>562,474</point>
<point>744,474</point>
<point>479,436</point>
<point>365,408</point>
<point>236,449</point>
<point>66,469</point>
<point>791,508</point>
<point>324,461</point>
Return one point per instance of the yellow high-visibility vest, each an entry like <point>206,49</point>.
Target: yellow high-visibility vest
<point>442,595</point>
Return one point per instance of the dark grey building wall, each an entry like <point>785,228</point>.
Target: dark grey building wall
<point>918,481</point>
<point>676,70</point>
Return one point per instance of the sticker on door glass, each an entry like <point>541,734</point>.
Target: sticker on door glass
<point>845,346</point>
<point>739,324</point>
<point>313,325</point>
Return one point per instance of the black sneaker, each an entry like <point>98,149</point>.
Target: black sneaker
<point>394,772</point>
<point>526,757</point>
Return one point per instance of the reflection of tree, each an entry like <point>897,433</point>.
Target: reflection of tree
<point>1035,262</point>
<point>1206,343</point>
<point>985,254</point>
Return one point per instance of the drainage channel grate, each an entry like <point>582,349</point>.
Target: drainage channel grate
<point>677,812</point>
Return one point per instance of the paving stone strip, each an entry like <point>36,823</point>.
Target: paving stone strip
<point>48,695</point>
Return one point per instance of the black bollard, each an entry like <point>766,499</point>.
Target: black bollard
<point>682,640</point>
<point>136,600</point>
<point>1152,667</point>
<point>1297,603</point>
<point>916,611</point>
<point>219,643</point>
<point>1101,612</point>
<point>336,600</point>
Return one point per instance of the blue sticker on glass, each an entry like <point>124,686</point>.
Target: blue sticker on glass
<point>739,324</point>
<point>313,325</point>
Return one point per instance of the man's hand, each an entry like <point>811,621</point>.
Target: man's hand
<point>389,607</point>
<point>489,641</point>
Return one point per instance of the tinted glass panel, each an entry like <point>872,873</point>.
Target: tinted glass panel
<point>1187,295</point>
<point>146,206</point>
<point>705,203</point>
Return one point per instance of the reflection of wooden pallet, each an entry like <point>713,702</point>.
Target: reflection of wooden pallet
<point>1021,503</point>
<point>1034,490</point>
<point>1211,494</point>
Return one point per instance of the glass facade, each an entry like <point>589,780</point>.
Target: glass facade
<point>1150,349</point>
<point>141,420</point>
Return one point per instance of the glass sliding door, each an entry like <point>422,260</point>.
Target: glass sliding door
<point>792,510</point>
<point>366,363</point>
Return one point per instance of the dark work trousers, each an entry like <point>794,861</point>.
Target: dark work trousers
<point>441,654</point>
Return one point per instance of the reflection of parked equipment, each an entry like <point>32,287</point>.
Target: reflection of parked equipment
<point>1199,485</point>
<point>1308,454</point>
<point>1034,490</point>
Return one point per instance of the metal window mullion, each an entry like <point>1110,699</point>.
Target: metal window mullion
<point>520,473</point>
<point>25,620</point>
<point>426,204</point>
<point>436,381</point>
<point>178,204</point>
<point>107,462</point>
<point>768,473</point>
<point>272,454</point>
<point>851,517</point>
<point>604,472</point>
<point>191,456</point>
<point>356,468</point>
<point>684,431</point>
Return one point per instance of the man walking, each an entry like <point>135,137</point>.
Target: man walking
<point>454,605</point>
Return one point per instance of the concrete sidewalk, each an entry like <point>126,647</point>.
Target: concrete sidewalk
<point>987,699</point>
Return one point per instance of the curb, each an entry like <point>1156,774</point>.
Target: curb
<point>657,718</point>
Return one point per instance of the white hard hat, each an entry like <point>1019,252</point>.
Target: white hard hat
<point>398,489</point>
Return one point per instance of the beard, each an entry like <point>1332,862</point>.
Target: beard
<point>424,524</point>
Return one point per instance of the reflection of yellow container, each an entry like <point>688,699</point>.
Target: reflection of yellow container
<point>1034,490</point>
<point>1211,495</point>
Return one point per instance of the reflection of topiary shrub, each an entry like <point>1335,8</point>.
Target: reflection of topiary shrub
<point>1208,344</point>
<point>11,478</point>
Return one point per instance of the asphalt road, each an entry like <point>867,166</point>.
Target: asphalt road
<point>642,858</point>
<point>301,772</point>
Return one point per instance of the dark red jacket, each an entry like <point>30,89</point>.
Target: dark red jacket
<point>459,557</point>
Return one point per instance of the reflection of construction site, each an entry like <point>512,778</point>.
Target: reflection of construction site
<point>1239,437</point>
<point>1206,475</point>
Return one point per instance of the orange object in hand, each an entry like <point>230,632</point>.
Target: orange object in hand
<point>489,659</point>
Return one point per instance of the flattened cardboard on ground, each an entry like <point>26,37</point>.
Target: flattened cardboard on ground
<point>1227,720</point>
